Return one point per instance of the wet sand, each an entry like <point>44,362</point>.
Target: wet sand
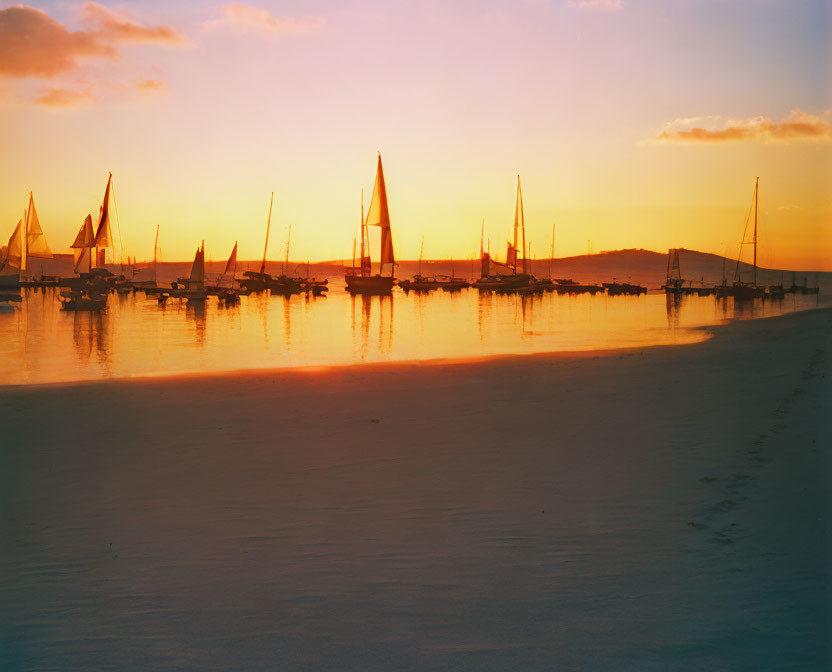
<point>658,508</point>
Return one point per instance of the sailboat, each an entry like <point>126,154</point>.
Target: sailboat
<point>673,283</point>
<point>27,240</point>
<point>364,282</point>
<point>229,294</point>
<point>513,281</point>
<point>420,283</point>
<point>283,284</point>
<point>257,281</point>
<point>193,287</point>
<point>740,289</point>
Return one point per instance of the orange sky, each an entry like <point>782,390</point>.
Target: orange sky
<point>632,124</point>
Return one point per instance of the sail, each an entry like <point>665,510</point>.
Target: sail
<point>675,272</point>
<point>35,240</point>
<point>198,268</point>
<point>83,260</point>
<point>103,235</point>
<point>378,215</point>
<point>15,250</point>
<point>84,237</point>
<point>485,266</point>
<point>232,261</point>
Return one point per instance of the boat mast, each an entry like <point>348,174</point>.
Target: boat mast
<point>363,228</point>
<point>522,224</point>
<point>155,247</point>
<point>288,241</point>
<point>421,250</point>
<point>552,253</point>
<point>516,223</point>
<point>268,226</point>
<point>754,241</point>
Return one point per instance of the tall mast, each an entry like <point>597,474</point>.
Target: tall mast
<point>516,222</point>
<point>522,224</point>
<point>24,244</point>
<point>288,241</point>
<point>421,250</point>
<point>552,253</point>
<point>155,247</point>
<point>268,226</point>
<point>362,231</point>
<point>754,271</point>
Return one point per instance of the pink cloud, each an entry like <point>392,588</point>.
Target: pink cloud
<point>57,97</point>
<point>797,126</point>
<point>247,17</point>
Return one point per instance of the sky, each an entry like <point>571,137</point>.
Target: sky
<point>632,123</point>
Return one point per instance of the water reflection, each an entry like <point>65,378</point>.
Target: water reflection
<point>136,335</point>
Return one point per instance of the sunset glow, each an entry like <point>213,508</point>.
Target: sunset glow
<point>633,123</point>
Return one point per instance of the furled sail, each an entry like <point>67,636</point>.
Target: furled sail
<point>36,245</point>
<point>103,234</point>
<point>198,268</point>
<point>511,255</point>
<point>378,215</point>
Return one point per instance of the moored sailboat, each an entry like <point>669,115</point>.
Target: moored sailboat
<point>193,287</point>
<point>26,241</point>
<point>363,281</point>
<point>257,281</point>
<point>740,289</point>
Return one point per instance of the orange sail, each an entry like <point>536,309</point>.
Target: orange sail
<point>378,215</point>
<point>35,240</point>
<point>82,247</point>
<point>198,268</point>
<point>231,264</point>
<point>103,235</point>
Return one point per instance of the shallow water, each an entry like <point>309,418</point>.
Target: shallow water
<point>135,336</point>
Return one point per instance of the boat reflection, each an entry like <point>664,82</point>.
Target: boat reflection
<point>361,328</point>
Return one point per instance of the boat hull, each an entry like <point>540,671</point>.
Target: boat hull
<point>373,284</point>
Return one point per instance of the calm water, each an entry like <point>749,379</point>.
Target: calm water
<point>136,336</point>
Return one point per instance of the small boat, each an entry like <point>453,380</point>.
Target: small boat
<point>27,240</point>
<point>740,289</point>
<point>363,281</point>
<point>508,283</point>
<point>258,281</point>
<point>83,300</point>
<point>193,287</point>
<point>623,288</point>
<point>228,295</point>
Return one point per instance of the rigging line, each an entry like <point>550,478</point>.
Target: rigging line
<point>742,242</point>
<point>118,223</point>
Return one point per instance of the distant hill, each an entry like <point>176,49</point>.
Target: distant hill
<point>641,266</point>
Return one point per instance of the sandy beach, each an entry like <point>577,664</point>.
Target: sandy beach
<point>650,509</point>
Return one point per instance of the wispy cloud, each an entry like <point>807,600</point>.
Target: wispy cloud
<point>151,85</point>
<point>797,126</point>
<point>249,18</point>
<point>609,5</point>
<point>119,26</point>
<point>58,97</point>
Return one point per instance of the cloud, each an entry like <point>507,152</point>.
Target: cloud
<point>109,25</point>
<point>249,18</point>
<point>51,97</point>
<point>151,85</point>
<point>611,5</point>
<point>33,44</point>
<point>797,126</point>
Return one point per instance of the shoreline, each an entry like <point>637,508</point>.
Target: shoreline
<point>711,332</point>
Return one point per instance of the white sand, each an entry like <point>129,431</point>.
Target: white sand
<point>662,508</point>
